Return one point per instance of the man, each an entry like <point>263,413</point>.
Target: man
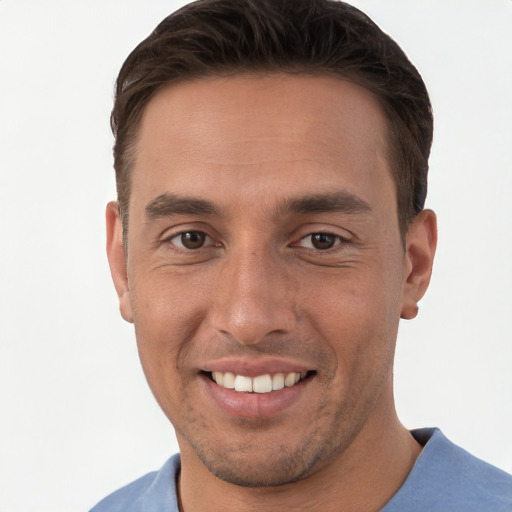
<point>271,161</point>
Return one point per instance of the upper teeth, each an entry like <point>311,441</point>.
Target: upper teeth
<point>260,384</point>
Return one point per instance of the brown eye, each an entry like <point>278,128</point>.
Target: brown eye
<point>192,239</point>
<point>323,240</point>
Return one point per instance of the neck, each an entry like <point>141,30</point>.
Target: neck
<point>363,478</point>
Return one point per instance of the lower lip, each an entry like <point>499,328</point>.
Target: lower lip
<point>254,405</point>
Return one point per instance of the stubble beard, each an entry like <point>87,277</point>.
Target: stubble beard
<point>258,459</point>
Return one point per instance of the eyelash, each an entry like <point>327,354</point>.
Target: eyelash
<point>337,242</point>
<point>172,239</point>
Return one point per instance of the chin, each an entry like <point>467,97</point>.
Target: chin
<point>267,464</point>
<point>271,472</point>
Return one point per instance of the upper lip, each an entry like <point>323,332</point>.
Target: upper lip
<point>255,367</point>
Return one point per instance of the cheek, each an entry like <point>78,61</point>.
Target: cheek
<point>360,331</point>
<point>167,313</point>
<point>358,313</point>
<point>168,304</point>
<point>361,296</point>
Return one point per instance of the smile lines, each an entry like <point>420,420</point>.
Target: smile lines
<point>260,384</point>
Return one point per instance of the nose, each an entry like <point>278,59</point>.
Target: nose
<point>253,298</point>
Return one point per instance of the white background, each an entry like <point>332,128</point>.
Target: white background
<point>76,417</point>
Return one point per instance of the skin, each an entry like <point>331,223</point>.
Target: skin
<point>258,292</point>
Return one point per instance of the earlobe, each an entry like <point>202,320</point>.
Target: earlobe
<point>117,259</point>
<point>419,257</point>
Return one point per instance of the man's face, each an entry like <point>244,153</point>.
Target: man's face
<point>263,246</point>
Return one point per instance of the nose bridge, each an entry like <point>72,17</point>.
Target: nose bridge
<point>252,299</point>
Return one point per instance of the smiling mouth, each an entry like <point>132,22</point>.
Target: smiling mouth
<point>265,383</point>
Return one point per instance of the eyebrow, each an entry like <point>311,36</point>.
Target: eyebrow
<point>339,202</point>
<point>166,205</point>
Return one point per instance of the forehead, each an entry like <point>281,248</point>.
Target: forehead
<point>258,133</point>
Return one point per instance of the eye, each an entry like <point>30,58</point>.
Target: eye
<point>191,239</point>
<point>320,241</point>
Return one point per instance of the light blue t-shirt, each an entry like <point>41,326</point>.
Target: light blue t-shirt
<point>445,478</point>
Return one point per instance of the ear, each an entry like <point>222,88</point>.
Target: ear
<point>419,257</point>
<point>117,259</point>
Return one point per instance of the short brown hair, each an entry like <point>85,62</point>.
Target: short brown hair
<point>224,37</point>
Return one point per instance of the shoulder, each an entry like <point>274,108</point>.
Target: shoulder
<point>155,491</point>
<point>448,478</point>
